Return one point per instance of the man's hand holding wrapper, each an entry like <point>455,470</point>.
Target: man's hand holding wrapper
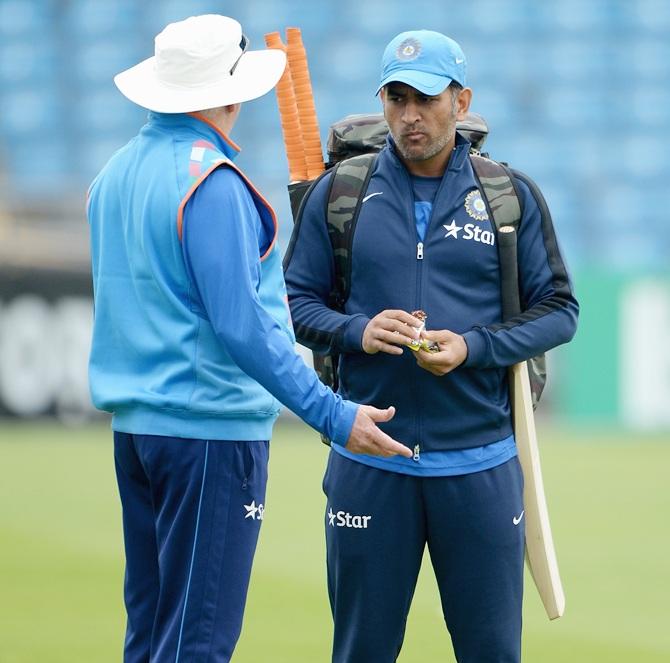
<point>451,352</point>
<point>305,158</point>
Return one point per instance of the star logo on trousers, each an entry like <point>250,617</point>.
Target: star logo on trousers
<point>254,512</point>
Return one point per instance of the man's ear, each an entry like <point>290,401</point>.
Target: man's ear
<point>463,103</point>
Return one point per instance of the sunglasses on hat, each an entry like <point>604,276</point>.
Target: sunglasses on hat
<point>244,44</point>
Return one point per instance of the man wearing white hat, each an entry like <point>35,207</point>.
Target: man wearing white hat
<point>192,343</point>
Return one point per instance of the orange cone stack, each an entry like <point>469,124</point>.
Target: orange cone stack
<point>290,118</point>
<point>304,97</point>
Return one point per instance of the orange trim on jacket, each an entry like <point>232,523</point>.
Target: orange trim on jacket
<point>247,181</point>
<point>211,125</point>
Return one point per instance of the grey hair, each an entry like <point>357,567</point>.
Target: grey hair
<point>455,89</point>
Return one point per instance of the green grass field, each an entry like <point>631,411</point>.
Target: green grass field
<point>61,562</point>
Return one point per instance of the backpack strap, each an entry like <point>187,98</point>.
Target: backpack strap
<point>499,190</point>
<point>503,203</point>
<point>347,186</point>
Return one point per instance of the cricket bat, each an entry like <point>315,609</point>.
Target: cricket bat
<point>540,553</point>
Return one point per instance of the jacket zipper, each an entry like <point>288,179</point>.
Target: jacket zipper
<point>419,412</point>
<point>420,248</point>
<point>419,260</point>
<point>419,282</point>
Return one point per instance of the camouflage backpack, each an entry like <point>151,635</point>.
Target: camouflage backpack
<point>353,145</point>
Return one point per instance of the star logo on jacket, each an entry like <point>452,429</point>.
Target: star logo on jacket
<point>475,206</point>
<point>452,229</point>
<point>254,512</point>
<point>471,232</point>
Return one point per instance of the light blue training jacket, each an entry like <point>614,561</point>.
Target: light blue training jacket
<point>192,339</point>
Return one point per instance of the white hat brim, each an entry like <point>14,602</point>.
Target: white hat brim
<point>257,72</point>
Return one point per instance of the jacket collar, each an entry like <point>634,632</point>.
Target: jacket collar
<point>200,125</point>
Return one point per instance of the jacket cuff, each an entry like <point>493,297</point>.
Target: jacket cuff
<point>344,422</point>
<point>476,343</point>
<point>352,340</point>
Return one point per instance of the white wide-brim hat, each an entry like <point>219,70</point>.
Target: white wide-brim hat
<point>201,63</point>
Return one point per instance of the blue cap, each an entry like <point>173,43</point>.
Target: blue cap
<point>424,59</point>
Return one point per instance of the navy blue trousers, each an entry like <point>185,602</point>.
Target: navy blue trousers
<point>192,511</point>
<point>377,526</point>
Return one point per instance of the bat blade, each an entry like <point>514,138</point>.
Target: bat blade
<point>540,552</point>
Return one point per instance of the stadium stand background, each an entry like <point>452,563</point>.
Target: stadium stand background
<point>576,94</point>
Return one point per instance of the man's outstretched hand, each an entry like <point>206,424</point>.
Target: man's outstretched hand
<point>367,438</point>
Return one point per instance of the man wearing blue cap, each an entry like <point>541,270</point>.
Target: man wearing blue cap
<point>424,241</point>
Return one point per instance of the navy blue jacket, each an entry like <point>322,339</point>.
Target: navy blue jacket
<point>454,277</point>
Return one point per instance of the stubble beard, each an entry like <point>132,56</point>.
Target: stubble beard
<point>433,148</point>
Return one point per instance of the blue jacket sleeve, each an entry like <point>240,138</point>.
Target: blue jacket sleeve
<point>549,308</point>
<point>309,285</point>
<point>223,239</point>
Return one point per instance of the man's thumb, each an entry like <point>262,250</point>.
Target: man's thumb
<point>381,415</point>
<point>438,335</point>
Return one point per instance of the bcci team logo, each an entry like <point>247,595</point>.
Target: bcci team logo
<point>410,49</point>
<point>475,206</point>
